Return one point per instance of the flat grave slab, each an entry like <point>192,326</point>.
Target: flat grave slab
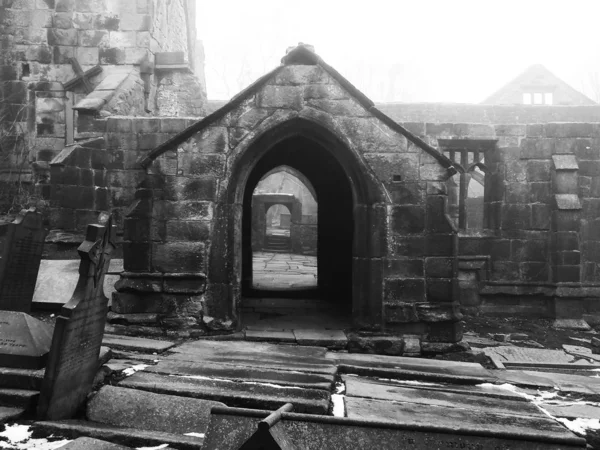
<point>24,341</point>
<point>254,354</point>
<point>565,382</point>
<point>574,411</point>
<point>136,343</point>
<point>231,428</point>
<point>244,394</point>
<point>512,354</point>
<point>358,387</point>
<point>170,366</point>
<point>460,421</point>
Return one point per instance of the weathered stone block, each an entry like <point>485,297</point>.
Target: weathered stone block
<point>408,290</point>
<point>134,22</point>
<point>57,36</point>
<point>176,257</point>
<point>406,193</point>
<point>440,244</point>
<point>439,290</point>
<point>538,170</point>
<point>113,55</point>
<point>297,74</point>
<point>137,255</point>
<point>390,166</point>
<point>187,230</point>
<point>437,220</point>
<point>516,172</point>
<point>324,91</point>
<point>400,313</point>
<point>567,274</point>
<point>541,216</point>
<point>210,140</point>
<point>542,148</point>
<point>438,312</point>
<point>438,267</point>
<point>444,332</point>
<point>529,250</point>
<point>281,97</point>
<point>516,217</point>
<point>194,164</point>
<point>122,39</point>
<point>540,192</point>
<point>93,38</point>
<point>409,268</point>
<point>407,219</point>
<point>534,271</point>
<point>193,210</point>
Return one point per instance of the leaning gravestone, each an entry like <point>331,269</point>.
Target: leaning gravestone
<point>21,245</point>
<point>73,358</point>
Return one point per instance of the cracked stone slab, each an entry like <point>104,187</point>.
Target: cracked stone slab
<point>136,343</point>
<point>335,339</point>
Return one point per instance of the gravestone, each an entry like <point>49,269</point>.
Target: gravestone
<point>24,341</point>
<point>73,358</point>
<point>21,245</point>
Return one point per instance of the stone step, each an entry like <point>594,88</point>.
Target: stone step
<point>9,413</point>
<point>136,343</point>
<point>412,368</point>
<point>129,437</point>
<point>21,378</point>
<point>240,394</point>
<point>20,398</point>
<point>148,411</point>
<point>263,375</point>
<point>86,443</point>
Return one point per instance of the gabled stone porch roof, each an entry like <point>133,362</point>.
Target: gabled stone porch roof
<point>300,55</point>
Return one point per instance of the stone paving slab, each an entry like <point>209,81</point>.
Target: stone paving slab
<point>236,373</point>
<point>547,380</point>
<point>359,387</point>
<point>245,395</point>
<point>254,354</point>
<point>143,410</point>
<point>484,389</point>
<point>530,355</point>
<point>120,435</point>
<point>271,335</point>
<point>21,378</point>
<point>403,367</point>
<point>573,411</point>
<point>326,338</point>
<point>458,419</point>
<point>136,343</point>
<point>86,443</point>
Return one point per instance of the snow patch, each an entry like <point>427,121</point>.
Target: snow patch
<point>133,369</point>
<point>200,377</point>
<point>198,435</point>
<point>580,426</point>
<point>339,407</point>
<point>340,387</point>
<point>411,382</point>
<point>19,438</point>
<point>153,448</point>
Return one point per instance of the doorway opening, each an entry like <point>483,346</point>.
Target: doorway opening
<point>297,237</point>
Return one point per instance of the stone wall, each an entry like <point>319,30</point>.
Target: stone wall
<point>39,39</point>
<point>103,172</point>
<point>402,266</point>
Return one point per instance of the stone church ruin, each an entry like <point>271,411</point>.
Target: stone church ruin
<point>415,213</point>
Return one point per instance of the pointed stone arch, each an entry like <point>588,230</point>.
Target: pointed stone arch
<point>369,233</point>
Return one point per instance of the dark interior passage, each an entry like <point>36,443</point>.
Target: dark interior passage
<point>335,218</point>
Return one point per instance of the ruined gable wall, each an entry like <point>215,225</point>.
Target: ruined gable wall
<point>183,202</point>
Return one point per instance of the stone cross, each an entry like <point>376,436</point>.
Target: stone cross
<point>21,245</point>
<point>82,77</point>
<point>73,358</point>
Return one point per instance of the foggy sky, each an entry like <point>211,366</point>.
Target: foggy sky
<point>414,51</point>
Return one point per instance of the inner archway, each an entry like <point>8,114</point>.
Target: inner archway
<point>334,223</point>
